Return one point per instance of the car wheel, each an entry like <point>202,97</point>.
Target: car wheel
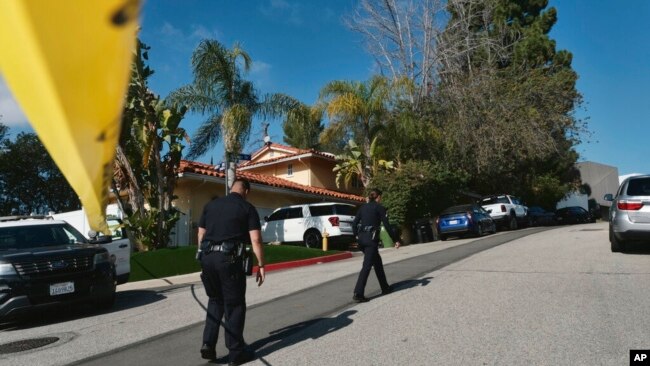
<point>313,239</point>
<point>479,230</point>
<point>512,222</point>
<point>617,245</point>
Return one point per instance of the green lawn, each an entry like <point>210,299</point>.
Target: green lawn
<point>176,261</point>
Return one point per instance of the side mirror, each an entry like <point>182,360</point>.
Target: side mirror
<point>266,218</point>
<point>609,197</point>
<point>102,239</point>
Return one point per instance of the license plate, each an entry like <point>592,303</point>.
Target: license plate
<point>61,288</point>
<point>345,225</point>
<point>453,222</point>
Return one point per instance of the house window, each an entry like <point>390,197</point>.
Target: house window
<point>290,170</point>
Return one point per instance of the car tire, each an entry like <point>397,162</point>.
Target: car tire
<point>313,239</point>
<point>512,222</point>
<point>479,230</point>
<point>616,245</point>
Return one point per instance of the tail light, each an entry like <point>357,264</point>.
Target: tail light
<point>334,220</point>
<point>629,205</point>
<point>503,208</point>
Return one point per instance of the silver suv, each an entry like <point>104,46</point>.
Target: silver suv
<point>629,215</point>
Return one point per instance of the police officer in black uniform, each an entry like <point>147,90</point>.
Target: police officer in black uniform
<point>367,226</point>
<point>226,225</point>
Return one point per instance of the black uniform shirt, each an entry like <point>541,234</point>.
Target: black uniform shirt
<point>372,214</point>
<point>229,218</point>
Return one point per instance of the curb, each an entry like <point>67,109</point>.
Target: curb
<point>304,262</point>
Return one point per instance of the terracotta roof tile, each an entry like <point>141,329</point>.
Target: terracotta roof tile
<point>207,169</point>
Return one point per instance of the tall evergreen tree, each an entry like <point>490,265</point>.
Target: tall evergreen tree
<point>507,97</point>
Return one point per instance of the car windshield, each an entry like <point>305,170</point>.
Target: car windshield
<point>494,200</point>
<point>457,209</point>
<point>38,236</point>
<point>639,187</point>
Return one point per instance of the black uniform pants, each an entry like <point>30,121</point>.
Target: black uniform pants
<point>371,258</point>
<point>225,285</point>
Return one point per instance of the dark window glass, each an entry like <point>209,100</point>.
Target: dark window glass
<point>494,199</point>
<point>294,213</point>
<point>321,210</point>
<point>345,210</point>
<point>278,215</point>
<point>638,187</point>
<point>37,236</point>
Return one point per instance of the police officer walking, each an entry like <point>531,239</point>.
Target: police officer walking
<point>367,226</point>
<point>226,225</point>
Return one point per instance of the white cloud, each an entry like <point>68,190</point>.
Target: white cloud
<point>283,10</point>
<point>10,112</point>
<point>186,40</point>
<point>260,74</point>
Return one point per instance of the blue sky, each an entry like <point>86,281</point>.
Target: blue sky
<point>299,46</point>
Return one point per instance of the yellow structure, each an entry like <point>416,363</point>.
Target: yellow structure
<point>68,64</point>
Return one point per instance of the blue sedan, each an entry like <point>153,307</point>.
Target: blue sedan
<point>464,219</point>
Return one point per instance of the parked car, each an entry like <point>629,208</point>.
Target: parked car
<point>629,215</point>
<point>506,210</point>
<point>573,215</point>
<point>464,219</point>
<point>119,248</point>
<point>538,216</point>
<point>307,223</point>
<point>46,262</point>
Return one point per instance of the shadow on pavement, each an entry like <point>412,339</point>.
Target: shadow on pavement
<point>637,248</point>
<point>296,333</point>
<point>405,285</point>
<point>61,313</point>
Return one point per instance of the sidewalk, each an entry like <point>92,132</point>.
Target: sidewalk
<point>195,277</point>
<point>389,255</point>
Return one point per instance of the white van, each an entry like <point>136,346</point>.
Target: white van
<point>307,223</point>
<point>119,248</point>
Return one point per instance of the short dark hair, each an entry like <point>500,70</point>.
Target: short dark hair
<point>244,182</point>
<point>374,193</point>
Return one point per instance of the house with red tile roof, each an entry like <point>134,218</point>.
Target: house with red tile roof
<point>279,175</point>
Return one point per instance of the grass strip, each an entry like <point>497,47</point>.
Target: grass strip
<point>177,261</point>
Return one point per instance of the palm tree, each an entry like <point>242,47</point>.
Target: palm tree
<point>227,100</point>
<point>360,110</point>
<point>303,126</point>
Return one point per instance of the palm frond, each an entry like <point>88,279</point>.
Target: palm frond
<point>338,87</point>
<point>196,101</point>
<point>206,137</point>
<point>277,105</point>
<point>214,68</point>
<point>238,52</point>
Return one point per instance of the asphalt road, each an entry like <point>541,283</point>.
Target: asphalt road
<point>556,297</point>
<point>305,315</point>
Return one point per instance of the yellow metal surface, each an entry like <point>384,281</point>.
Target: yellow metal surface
<point>67,63</point>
